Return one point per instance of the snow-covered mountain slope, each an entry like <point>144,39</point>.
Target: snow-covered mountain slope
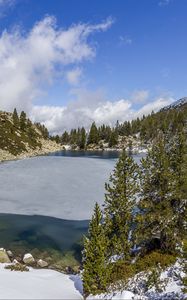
<point>38,284</point>
<point>177,104</point>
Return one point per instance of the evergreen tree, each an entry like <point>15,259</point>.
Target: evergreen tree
<point>96,271</point>
<point>65,137</point>
<point>93,137</point>
<point>155,221</point>
<point>82,141</point>
<point>15,118</point>
<point>113,139</point>
<point>120,199</point>
<point>73,137</point>
<point>178,163</point>
<point>23,120</point>
<point>44,131</point>
<point>30,130</point>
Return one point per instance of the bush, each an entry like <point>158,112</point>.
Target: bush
<point>153,260</point>
<point>17,267</point>
<point>122,271</point>
<point>153,280</point>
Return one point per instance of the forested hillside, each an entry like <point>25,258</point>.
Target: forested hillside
<point>145,129</point>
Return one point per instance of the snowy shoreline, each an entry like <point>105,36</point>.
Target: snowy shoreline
<point>50,284</point>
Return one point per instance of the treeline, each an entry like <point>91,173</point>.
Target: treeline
<point>147,128</point>
<point>23,123</point>
<point>142,224</point>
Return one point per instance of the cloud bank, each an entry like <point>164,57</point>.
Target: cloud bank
<point>83,112</point>
<point>32,61</point>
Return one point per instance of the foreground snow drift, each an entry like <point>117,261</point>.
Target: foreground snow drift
<point>38,284</point>
<point>49,284</point>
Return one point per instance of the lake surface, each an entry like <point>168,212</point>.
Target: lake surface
<point>30,232</point>
<point>56,186</point>
<point>45,202</point>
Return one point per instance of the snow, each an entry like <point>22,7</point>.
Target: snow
<point>38,284</point>
<point>49,284</point>
<point>56,186</point>
<point>124,295</point>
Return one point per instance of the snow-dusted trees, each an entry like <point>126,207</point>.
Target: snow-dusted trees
<point>154,220</point>
<point>161,202</point>
<point>119,204</point>
<point>178,163</point>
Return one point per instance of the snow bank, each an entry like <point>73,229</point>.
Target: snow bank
<point>125,295</point>
<point>38,284</point>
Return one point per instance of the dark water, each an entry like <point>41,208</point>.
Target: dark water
<point>91,154</point>
<point>22,233</point>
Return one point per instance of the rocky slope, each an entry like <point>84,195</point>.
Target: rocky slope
<point>19,140</point>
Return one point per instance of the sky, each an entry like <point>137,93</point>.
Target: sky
<point>68,63</point>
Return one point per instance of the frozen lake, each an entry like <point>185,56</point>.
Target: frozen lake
<point>56,186</point>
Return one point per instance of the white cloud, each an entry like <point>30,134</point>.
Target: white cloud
<point>125,40</point>
<point>92,106</point>
<point>73,76</point>
<point>164,2</point>
<point>28,61</point>
<point>140,96</point>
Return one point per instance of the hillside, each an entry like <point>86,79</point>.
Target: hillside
<point>135,135</point>
<point>19,137</point>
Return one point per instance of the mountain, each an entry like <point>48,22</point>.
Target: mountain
<point>20,137</point>
<point>176,105</point>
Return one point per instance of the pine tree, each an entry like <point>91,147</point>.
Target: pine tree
<point>23,120</point>
<point>93,137</point>
<point>155,221</point>
<point>96,271</point>
<point>178,163</point>
<point>82,141</point>
<point>65,137</point>
<point>15,118</point>
<point>113,139</point>
<point>119,204</point>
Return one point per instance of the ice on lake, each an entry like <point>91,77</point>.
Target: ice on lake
<point>62,187</point>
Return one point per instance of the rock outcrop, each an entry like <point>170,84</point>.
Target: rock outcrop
<point>4,258</point>
<point>28,259</point>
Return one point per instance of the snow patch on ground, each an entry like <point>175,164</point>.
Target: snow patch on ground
<point>38,284</point>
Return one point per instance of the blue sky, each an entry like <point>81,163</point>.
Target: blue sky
<point>138,59</point>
